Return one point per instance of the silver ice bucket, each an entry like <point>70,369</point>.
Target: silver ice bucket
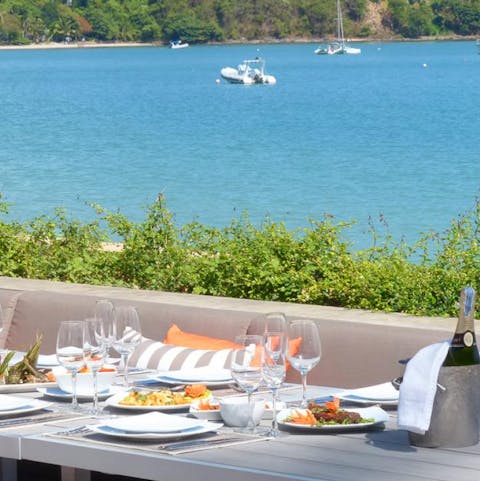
<point>455,417</point>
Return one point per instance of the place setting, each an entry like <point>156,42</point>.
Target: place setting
<point>157,432</point>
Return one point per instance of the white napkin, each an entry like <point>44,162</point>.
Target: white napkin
<point>418,388</point>
<point>377,392</point>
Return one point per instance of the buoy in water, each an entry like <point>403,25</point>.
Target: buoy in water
<point>217,81</point>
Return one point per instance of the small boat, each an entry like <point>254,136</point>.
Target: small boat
<point>477,43</point>
<point>340,46</point>
<point>249,72</point>
<point>178,44</point>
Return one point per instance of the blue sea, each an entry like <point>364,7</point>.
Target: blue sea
<point>389,136</point>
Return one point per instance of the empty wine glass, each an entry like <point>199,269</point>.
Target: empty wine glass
<point>95,353</point>
<point>246,370</point>
<point>276,322</point>
<point>274,370</point>
<point>105,312</point>
<point>309,351</point>
<point>2,351</point>
<point>127,335</point>
<point>70,344</point>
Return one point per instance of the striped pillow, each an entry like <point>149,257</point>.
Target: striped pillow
<point>165,357</point>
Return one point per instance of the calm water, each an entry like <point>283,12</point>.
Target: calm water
<point>391,132</point>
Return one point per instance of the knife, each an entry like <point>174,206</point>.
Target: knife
<point>198,442</point>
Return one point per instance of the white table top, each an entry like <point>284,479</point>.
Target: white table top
<point>370,456</point>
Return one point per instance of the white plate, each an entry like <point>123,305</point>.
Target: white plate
<point>199,374</point>
<point>25,387</point>
<point>56,392</point>
<point>202,375</point>
<point>8,403</point>
<point>378,415</point>
<point>384,394</point>
<point>155,422</point>
<point>173,382</point>
<point>114,401</point>
<point>108,431</point>
<point>33,405</point>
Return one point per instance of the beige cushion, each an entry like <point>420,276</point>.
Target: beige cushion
<point>164,357</point>
<point>8,302</point>
<point>42,311</point>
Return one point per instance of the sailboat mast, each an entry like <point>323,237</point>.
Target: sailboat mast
<point>340,33</point>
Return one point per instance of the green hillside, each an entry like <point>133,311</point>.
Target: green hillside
<point>201,21</point>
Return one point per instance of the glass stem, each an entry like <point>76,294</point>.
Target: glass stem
<point>125,368</point>
<point>274,411</point>
<point>304,388</point>
<point>95,391</point>
<point>74,390</point>
<point>251,423</point>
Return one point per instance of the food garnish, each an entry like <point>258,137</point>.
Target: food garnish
<point>164,397</point>
<point>329,413</point>
<point>207,405</point>
<point>24,371</point>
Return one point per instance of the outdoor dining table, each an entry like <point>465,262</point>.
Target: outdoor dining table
<point>359,455</point>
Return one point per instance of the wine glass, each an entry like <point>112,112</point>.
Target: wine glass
<point>95,353</point>
<point>274,371</point>
<point>70,344</point>
<point>2,351</point>
<point>127,335</point>
<point>105,312</point>
<point>246,370</point>
<point>309,351</point>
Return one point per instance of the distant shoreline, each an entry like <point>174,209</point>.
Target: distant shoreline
<point>76,45</point>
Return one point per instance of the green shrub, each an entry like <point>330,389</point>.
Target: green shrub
<point>311,265</point>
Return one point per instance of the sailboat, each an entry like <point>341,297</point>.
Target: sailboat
<point>339,46</point>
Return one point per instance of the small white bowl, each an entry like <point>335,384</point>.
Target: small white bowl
<point>63,378</point>
<point>208,414</point>
<point>268,413</point>
<point>235,411</point>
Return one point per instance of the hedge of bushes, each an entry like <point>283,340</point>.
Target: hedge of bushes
<point>310,265</point>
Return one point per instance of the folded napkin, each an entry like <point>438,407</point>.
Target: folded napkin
<point>377,392</point>
<point>155,422</point>
<point>418,388</point>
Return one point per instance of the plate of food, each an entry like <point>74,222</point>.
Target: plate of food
<point>207,408</point>
<point>19,371</point>
<point>158,400</point>
<point>330,417</point>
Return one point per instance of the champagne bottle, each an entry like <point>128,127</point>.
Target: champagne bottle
<point>463,349</point>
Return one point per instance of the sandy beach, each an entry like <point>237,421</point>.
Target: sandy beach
<point>73,45</point>
<point>89,44</point>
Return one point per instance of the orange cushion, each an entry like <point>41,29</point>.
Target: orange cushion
<point>177,337</point>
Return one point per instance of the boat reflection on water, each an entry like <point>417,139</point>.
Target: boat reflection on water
<point>249,72</point>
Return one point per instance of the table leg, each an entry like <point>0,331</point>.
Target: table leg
<point>8,469</point>
<point>73,474</point>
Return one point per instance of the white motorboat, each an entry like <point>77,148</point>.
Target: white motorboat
<point>249,72</point>
<point>340,46</point>
<point>178,44</point>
